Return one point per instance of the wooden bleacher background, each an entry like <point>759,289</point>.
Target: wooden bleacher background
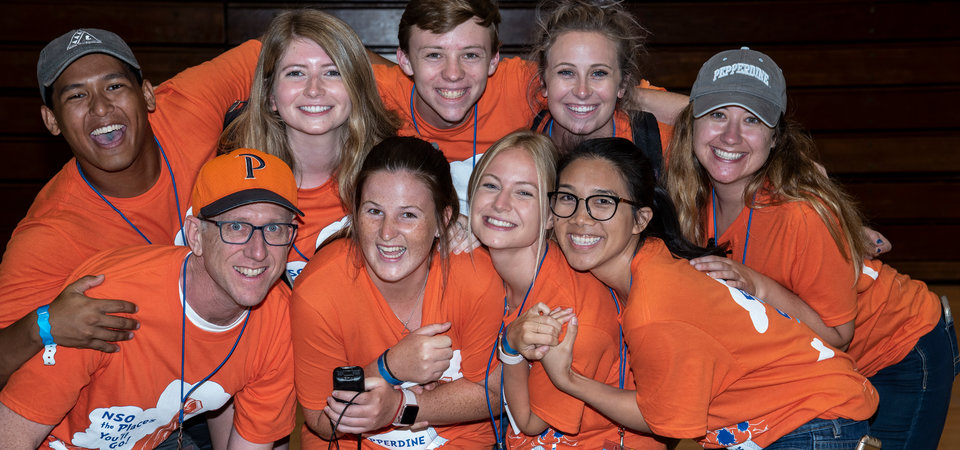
<point>876,82</point>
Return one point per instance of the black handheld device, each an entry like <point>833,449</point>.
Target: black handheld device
<point>348,378</point>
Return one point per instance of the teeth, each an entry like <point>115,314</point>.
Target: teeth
<point>729,156</point>
<point>582,109</point>
<point>582,239</point>
<point>393,251</point>
<point>315,109</point>
<point>249,272</point>
<point>499,223</point>
<point>451,94</point>
<point>106,129</point>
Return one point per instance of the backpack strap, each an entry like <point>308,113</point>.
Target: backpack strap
<point>646,136</point>
<point>539,119</point>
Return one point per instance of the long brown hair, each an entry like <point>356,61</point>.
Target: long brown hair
<point>791,173</point>
<point>369,121</point>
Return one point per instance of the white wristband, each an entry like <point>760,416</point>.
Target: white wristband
<point>509,360</point>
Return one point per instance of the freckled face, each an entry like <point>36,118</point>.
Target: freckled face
<point>396,226</point>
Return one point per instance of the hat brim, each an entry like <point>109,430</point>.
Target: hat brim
<point>765,110</point>
<point>247,197</point>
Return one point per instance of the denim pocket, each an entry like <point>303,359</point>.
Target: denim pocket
<point>947,322</point>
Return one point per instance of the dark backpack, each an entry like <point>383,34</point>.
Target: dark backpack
<point>646,135</point>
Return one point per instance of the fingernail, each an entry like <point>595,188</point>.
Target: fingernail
<point>879,241</point>
<point>878,249</point>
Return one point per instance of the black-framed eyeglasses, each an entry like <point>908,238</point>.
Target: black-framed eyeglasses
<point>234,232</point>
<point>600,207</point>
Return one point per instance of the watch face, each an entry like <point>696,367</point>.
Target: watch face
<point>409,415</point>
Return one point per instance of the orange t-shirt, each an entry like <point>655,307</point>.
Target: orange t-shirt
<point>131,399</point>
<point>339,318</point>
<point>595,355</point>
<point>790,244</point>
<point>895,311</point>
<point>504,107</point>
<point>714,364</point>
<point>322,210</point>
<point>68,222</point>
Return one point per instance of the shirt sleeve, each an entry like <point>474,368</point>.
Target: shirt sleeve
<point>317,347</point>
<point>821,275</point>
<point>38,260</point>
<point>479,317</point>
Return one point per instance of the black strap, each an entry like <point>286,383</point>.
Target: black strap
<point>646,136</point>
<point>536,120</point>
<point>233,112</point>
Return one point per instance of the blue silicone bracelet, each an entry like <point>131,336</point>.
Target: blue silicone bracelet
<point>43,322</point>
<point>506,345</point>
<point>385,371</point>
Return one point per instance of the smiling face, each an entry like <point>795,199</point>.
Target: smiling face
<point>308,91</point>
<point>396,226</point>
<point>589,244</point>
<point>101,111</point>
<point>732,144</point>
<point>505,208</point>
<point>450,71</point>
<point>583,83</point>
<point>245,272</point>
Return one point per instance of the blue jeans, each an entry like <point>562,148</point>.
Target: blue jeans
<point>823,434</point>
<point>915,392</point>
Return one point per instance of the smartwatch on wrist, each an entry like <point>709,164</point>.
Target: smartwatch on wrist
<point>407,415</point>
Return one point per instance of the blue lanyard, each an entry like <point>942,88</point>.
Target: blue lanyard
<point>183,334</point>
<point>623,348</point>
<point>173,180</point>
<point>300,253</point>
<point>498,430</point>
<point>746,240</point>
<point>413,117</point>
<point>550,127</point>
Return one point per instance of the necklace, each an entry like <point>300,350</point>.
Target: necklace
<point>413,311</point>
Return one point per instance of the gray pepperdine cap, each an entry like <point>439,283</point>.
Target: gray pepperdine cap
<point>64,50</point>
<point>745,78</point>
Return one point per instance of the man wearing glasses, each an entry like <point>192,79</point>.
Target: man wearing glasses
<point>213,325</point>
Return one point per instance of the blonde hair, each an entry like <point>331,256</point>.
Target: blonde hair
<point>606,17</point>
<point>790,174</point>
<point>369,121</point>
<point>544,155</point>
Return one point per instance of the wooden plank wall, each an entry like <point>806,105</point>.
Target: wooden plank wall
<point>876,82</point>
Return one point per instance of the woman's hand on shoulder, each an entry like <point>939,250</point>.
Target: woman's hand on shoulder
<point>876,241</point>
<point>736,275</point>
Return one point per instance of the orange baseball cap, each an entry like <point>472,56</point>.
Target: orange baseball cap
<point>241,177</point>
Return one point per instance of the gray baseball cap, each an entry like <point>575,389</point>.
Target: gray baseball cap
<point>64,50</point>
<point>745,78</point>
